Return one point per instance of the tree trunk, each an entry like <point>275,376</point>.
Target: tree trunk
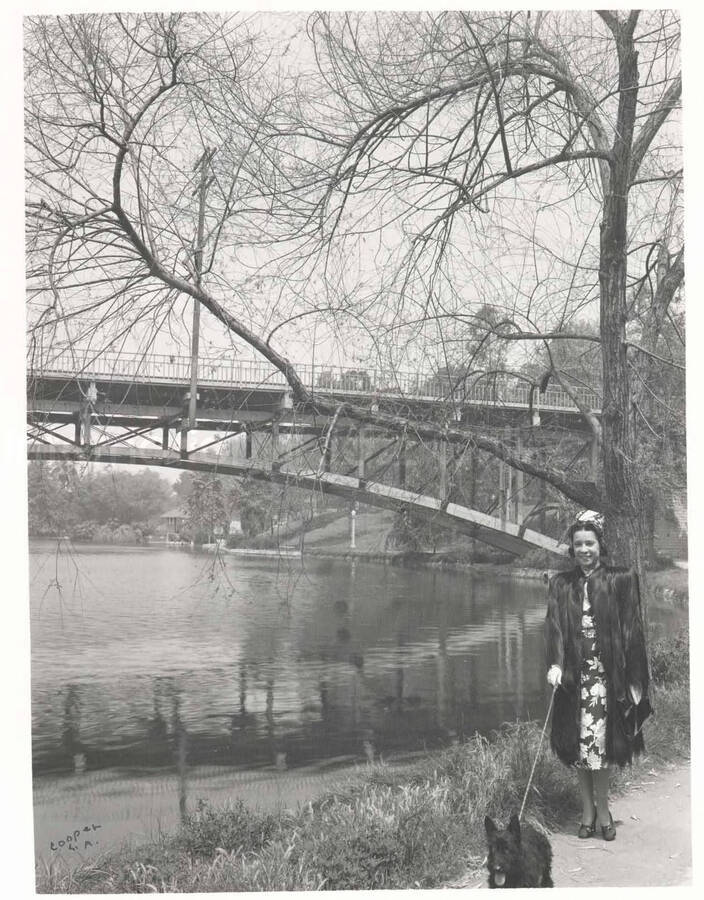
<point>620,479</point>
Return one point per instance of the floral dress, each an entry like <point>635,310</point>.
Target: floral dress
<point>592,707</point>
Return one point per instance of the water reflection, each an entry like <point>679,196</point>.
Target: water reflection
<point>391,669</point>
<point>161,669</point>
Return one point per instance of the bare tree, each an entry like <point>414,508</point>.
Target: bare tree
<point>411,139</point>
<point>501,132</point>
<point>122,114</point>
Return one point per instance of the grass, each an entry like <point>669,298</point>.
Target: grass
<point>417,827</point>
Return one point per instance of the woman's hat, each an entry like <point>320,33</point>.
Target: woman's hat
<point>591,520</point>
<point>593,517</point>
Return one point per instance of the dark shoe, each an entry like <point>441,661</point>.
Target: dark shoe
<point>608,832</point>
<point>587,831</point>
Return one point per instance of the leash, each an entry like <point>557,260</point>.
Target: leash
<point>537,755</point>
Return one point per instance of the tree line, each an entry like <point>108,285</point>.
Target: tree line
<point>110,504</point>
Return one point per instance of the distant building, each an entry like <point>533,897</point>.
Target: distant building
<point>173,520</point>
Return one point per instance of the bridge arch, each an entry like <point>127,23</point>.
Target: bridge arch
<point>478,525</point>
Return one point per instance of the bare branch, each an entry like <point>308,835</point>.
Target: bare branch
<point>653,124</point>
<point>668,362</point>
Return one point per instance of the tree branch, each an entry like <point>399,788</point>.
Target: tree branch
<point>653,124</point>
<point>611,20</point>
<point>671,281</point>
<point>498,180</point>
<point>662,359</point>
<point>547,336</point>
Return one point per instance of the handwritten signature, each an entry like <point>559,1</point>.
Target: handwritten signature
<point>77,839</point>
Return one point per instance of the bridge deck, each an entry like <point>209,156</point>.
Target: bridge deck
<point>257,376</point>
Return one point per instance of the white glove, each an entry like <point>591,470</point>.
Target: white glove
<point>635,694</point>
<point>554,675</point>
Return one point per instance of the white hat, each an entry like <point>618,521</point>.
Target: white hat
<point>592,516</point>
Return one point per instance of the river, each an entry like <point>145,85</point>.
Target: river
<point>161,676</point>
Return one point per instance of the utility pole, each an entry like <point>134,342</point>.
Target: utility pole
<point>204,163</point>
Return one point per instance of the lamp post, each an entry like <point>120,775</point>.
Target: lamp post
<point>353,522</point>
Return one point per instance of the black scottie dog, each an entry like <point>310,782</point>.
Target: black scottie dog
<point>519,856</point>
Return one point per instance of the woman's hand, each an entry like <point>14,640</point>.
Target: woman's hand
<point>554,676</point>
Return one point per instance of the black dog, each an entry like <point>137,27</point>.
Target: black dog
<point>518,856</point>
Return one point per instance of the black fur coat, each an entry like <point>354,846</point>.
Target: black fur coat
<point>615,601</point>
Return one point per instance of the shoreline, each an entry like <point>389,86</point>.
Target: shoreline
<point>357,824</point>
<point>670,584</point>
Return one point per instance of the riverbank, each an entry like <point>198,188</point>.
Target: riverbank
<point>331,539</point>
<point>669,585</point>
<point>417,825</point>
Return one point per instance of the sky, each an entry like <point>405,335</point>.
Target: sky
<point>478,276</point>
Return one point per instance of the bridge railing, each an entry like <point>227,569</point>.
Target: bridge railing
<point>254,373</point>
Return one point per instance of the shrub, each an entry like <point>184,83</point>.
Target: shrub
<point>669,658</point>
<point>258,542</point>
<point>233,827</point>
<point>83,531</point>
<point>541,559</point>
<point>385,836</point>
<point>660,562</point>
<point>488,554</point>
<point>667,732</point>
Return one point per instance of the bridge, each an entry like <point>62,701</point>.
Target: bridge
<point>107,407</point>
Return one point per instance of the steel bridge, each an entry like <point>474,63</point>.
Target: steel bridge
<point>108,407</point>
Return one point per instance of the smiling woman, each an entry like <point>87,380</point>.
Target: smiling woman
<point>597,664</point>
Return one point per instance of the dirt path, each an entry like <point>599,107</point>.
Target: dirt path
<point>653,846</point>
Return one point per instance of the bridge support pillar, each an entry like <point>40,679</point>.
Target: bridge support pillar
<point>248,444</point>
<point>361,440</point>
<point>85,415</point>
<point>84,422</point>
<point>77,429</point>
<point>274,442</point>
<point>165,437</point>
<point>184,443</point>
<point>402,465</point>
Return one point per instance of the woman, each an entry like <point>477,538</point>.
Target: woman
<point>595,651</point>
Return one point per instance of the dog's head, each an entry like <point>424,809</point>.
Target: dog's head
<point>504,856</point>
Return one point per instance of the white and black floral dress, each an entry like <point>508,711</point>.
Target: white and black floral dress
<point>592,707</point>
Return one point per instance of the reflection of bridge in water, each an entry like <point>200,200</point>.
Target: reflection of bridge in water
<point>109,407</point>
<point>356,701</point>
